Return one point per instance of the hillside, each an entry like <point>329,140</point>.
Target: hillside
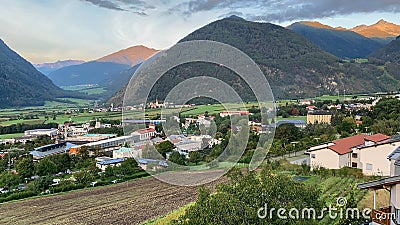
<point>389,57</point>
<point>47,68</point>
<point>381,29</point>
<point>86,73</point>
<point>341,43</point>
<point>294,66</point>
<point>130,56</point>
<point>21,84</point>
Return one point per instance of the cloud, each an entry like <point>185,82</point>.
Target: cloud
<point>287,10</point>
<point>135,6</point>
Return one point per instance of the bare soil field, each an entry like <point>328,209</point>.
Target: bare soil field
<point>133,202</point>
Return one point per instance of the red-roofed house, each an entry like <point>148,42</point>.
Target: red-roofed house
<point>368,153</point>
<point>145,134</point>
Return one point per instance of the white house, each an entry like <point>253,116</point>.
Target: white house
<point>391,213</point>
<point>42,132</point>
<point>368,153</point>
<point>145,134</point>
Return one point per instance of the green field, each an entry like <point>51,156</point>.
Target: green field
<point>7,136</point>
<point>75,117</point>
<point>88,89</point>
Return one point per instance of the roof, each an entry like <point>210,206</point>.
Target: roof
<point>320,112</point>
<point>152,161</point>
<point>111,161</point>
<point>344,145</point>
<point>395,154</point>
<point>146,130</point>
<point>56,149</point>
<point>123,149</point>
<point>380,184</point>
<point>99,135</point>
<point>377,138</point>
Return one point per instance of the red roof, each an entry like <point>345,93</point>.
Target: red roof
<point>147,130</point>
<point>377,138</point>
<point>344,145</point>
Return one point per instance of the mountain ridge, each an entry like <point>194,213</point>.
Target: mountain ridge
<point>22,85</point>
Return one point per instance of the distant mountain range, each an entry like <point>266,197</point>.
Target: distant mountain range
<point>47,68</point>
<point>342,43</point>
<point>294,66</point>
<point>357,42</point>
<point>22,85</point>
<point>381,29</point>
<point>110,72</point>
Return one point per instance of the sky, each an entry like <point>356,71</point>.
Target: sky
<point>51,30</point>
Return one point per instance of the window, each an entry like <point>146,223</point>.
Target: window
<point>354,165</point>
<point>313,156</point>
<point>369,166</point>
<point>355,155</point>
<point>396,217</point>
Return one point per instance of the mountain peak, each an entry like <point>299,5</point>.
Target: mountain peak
<point>382,21</point>
<point>315,24</point>
<point>130,56</point>
<point>381,29</point>
<point>235,17</point>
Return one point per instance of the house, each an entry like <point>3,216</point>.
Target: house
<point>368,153</point>
<point>104,145</point>
<point>102,165</point>
<point>152,164</point>
<point>145,134</point>
<point>389,215</point>
<point>126,153</point>
<point>319,116</point>
<point>234,113</point>
<point>305,102</point>
<point>42,132</point>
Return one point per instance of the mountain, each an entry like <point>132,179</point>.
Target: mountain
<point>130,56</point>
<point>87,73</point>
<point>110,72</point>
<point>22,85</point>
<point>381,29</point>
<point>389,57</point>
<point>337,41</point>
<point>47,68</point>
<point>294,66</point>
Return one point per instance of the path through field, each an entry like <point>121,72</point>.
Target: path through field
<point>126,203</point>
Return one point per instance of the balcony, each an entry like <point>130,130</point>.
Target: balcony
<point>382,216</point>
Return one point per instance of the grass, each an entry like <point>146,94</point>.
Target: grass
<point>76,117</point>
<point>8,136</point>
<point>169,217</point>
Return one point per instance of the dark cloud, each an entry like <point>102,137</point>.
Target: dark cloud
<point>286,10</point>
<point>135,6</point>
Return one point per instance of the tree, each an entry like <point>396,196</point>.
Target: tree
<point>8,179</point>
<point>25,168</point>
<point>195,157</point>
<point>128,167</point>
<point>164,147</point>
<point>41,184</point>
<point>348,125</point>
<point>46,167</point>
<point>287,132</point>
<point>250,196</point>
<point>177,158</point>
<point>83,177</point>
